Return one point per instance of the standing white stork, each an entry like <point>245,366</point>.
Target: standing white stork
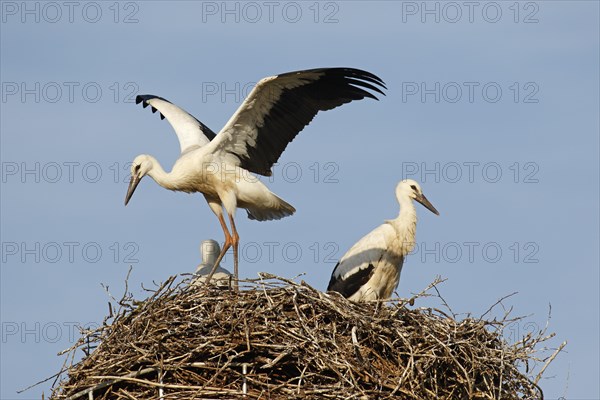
<point>220,166</point>
<point>370,270</point>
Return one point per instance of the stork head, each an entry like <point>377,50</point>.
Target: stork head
<point>411,189</point>
<point>139,168</point>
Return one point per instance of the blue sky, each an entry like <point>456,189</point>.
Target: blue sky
<point>493,107</point>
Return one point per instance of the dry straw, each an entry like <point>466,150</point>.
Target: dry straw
<point>277,339</point>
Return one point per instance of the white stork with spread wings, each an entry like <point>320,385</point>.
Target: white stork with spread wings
<point>220,165</point>
<point>370,270</point>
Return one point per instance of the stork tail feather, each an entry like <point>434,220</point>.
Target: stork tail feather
<point>279,209</point>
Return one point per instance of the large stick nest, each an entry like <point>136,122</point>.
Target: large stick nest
<point>277,339</point>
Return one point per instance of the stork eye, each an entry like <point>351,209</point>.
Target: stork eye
<point>413,187</point>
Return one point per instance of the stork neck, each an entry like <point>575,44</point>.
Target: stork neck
<point>407,217</point>
<point>405,225</point>
<point>160,176</point>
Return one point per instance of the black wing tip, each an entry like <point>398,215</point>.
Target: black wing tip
<point>365,79</point>
<point>358,79</point>
<point>144,98</point>
<point>348,72</point>
<point>344,72</point>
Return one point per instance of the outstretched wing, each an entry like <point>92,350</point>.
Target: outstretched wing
<point>279,107</point>
<point>190,132</point>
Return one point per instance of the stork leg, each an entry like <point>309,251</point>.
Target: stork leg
<point>226,246</point>
<point>235,241</point>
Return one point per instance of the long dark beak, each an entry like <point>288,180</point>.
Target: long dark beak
<point>423,200</point>
<point>132,185</point>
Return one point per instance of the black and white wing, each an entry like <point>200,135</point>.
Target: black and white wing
<point>360,263</point>
<point>279,107</point>
<point>353,282</point>
<point>190,132</point>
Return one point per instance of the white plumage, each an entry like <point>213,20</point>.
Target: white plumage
<point>220,166</point>
<point>370,270</point>
<point>209,251</point>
